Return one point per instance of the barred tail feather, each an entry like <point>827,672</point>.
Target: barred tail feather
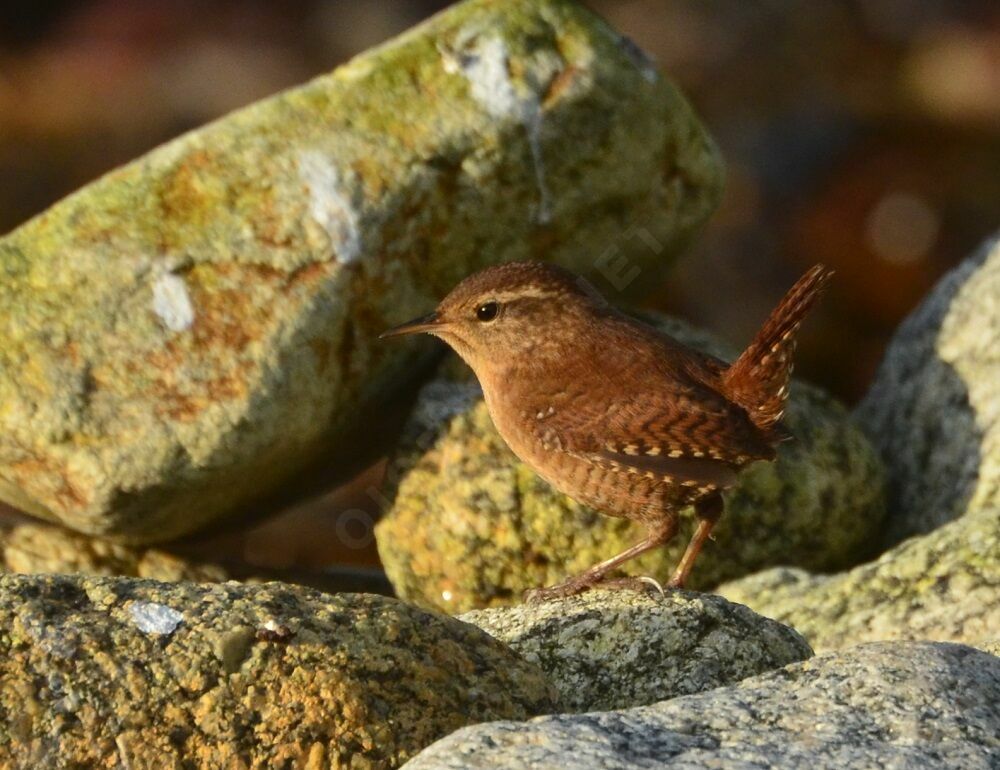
<point>758,379</point>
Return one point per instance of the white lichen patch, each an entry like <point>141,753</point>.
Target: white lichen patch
<point>330,205</point>
<point>154,618</point>
<point>172,303</point>
<point>485,63</point>
<point>486,66</point>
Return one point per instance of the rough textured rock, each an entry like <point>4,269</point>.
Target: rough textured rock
<point>934,409</point>
<point>907,706</point>
<point>39,548</point>
<point>472,526</point>
<point>124,673</point>
<point>617,649</point>
<point>183,334</point>
<point>943,586</point>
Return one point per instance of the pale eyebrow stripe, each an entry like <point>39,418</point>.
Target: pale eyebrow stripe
<point>526,292</point>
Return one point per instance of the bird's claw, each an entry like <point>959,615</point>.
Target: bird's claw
<point>651,581</point>
<point>638,583</point>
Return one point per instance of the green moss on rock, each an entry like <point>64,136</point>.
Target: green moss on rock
<point>180,336</point>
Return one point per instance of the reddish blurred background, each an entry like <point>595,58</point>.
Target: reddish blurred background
<point>860,133</point>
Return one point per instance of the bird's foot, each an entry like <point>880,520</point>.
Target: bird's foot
<point>579,584</point>
<point>571,587</point>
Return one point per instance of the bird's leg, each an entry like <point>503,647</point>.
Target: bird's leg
<point>658,534</point>
<point>709,511</point>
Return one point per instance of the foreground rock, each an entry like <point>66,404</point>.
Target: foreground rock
<point>472,526</point>
<point>616,649</point>
<point>903,705</point>
<point>187,332</point>
<point>943,586</point>
<point>127,673</point>
<point>39,549</point>
<point>934,410</point>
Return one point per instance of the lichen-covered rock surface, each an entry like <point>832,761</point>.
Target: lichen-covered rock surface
<point>934,409</point>
<point>472,526</point>
<point>943,586</point>
<point>908,706</point>
<point>616,649</point>
<point>41,548</point>
<point>182,335</point>
<point>105,672</point>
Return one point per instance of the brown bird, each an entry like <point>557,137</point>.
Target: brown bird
<point>617,415</point>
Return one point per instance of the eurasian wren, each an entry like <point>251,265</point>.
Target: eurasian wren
<point>612,412</point>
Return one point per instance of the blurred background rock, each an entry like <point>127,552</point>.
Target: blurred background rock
<point>860,133</point>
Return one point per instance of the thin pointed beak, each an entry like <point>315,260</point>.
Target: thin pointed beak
<point>425,323</point>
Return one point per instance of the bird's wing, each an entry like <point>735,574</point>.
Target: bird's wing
<point>669,425</point>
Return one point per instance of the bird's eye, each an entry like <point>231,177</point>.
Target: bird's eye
<point>488,311</point>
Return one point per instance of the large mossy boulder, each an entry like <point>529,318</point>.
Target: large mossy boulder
<point>110,672</point>
<point>472,526</point>
<point>902,705</point>
<point>613,649</point>
<point>944,586</point>
<point>179,337</point>
<point>934,409</point>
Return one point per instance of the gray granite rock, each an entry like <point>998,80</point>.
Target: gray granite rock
<point>906,706</point>
<point>608,649</point>
<point>124,673</point>
<point>944,586</point>
<point>934,409</point>
<point>181,336</point>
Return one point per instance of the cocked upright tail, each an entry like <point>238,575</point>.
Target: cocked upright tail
<point>758,379</point>
<point>758,382</point>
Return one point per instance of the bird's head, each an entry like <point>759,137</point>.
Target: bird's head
<point>508,311</point>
